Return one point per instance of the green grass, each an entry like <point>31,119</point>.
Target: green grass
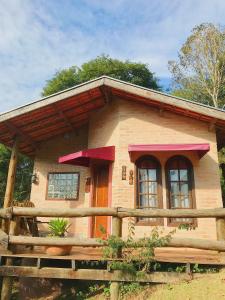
<point>210,287</point>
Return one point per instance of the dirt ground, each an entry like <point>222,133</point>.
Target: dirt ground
<point>209,287</point>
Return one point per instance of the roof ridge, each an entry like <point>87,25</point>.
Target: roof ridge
<point>99,81</point>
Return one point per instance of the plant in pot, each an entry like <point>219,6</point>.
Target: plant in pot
<point>58,228</point>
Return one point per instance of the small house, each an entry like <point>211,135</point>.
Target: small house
<point>109,143</point>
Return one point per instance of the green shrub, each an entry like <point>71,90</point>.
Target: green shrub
<point>136,256</point>
<point>58,227</point>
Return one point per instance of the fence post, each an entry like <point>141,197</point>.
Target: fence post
<point>10,228</point>
<point>220,229</point>
<point>7,282</point>
<point>10,181</point>
<point>116,231</point>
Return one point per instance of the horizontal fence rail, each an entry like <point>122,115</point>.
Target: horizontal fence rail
<point>92,242</point>
<point>114,212</point>
<point>9,239</point>
<point>117,214</point>
<point>101,275</point>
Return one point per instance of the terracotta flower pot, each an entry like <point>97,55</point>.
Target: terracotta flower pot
<point>58,250</point>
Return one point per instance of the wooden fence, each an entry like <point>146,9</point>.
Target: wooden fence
<point>117,214</point>
<point>12,214</point>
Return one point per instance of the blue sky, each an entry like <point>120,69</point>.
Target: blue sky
<point>39,37</point>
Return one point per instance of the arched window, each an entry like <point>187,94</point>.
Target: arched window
<point>149,190</point>
<point>180,186</point>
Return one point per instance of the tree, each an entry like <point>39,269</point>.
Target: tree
<point>23,175</point>
<point>137,73</point>
<point>199,73</point>
<point>4,161</point>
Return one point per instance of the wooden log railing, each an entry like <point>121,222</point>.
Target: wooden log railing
<point>11,214</point>
<point>115,212</point>
<point>118,214</point>
<point>92,242</point>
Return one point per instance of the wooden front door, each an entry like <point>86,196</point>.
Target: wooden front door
<point>100,199</point>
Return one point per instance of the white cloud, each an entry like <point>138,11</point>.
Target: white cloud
<point>39,37</point>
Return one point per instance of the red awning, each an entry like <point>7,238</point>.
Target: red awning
<point>201,149</point>
<point>82,158</point>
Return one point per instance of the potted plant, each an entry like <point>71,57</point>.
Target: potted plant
<point>58,227</point>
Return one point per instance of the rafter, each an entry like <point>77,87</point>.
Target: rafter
<point>54,133</point>
<point>161,111</point>
<point>106,94</point>
<point>14,130</point>
<point>63,116</point>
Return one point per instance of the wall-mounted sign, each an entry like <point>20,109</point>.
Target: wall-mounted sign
<point>131,177</point>
<point>88,185</point>
<point>124,172</point>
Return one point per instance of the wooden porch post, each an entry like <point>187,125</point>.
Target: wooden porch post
<point>11,174</point>
<point>7,281</point>
<point>116,231</point>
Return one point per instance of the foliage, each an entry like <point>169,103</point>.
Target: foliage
<point>127,289</point>
<point>136,73</point>
<point>58,227</point>
<point>199,73</point>
<point>221,157</point>
<point>210,286</point>
<point>222,183</point>
<point>86,293</point>
<point>204,269</point>
<point>180,269</point>
<point>106,292</point>
<point>23,175</point>
<point>186,227</point>
<point>196,268</point>
<point>137,256</point>
<point>79,289</point>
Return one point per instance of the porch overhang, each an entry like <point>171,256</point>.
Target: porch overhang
<point>83,158</point>
<point>200,149</point>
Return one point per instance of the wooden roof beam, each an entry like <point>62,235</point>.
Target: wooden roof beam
<point>162,110</point>
<point>63,116</point>
<point>53,134</point>
<point>14,130</point>
<point>64,111</point>
<point>106,93</point>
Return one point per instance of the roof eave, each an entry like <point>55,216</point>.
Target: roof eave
<point>124,86</point>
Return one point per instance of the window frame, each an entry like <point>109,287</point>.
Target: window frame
<point>159,221</point>
<point>191,191</point>
<point>61,199</point>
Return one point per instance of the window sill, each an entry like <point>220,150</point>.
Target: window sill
<point>62,199</point>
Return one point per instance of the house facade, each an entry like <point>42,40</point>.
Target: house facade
<point>108,143</point>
